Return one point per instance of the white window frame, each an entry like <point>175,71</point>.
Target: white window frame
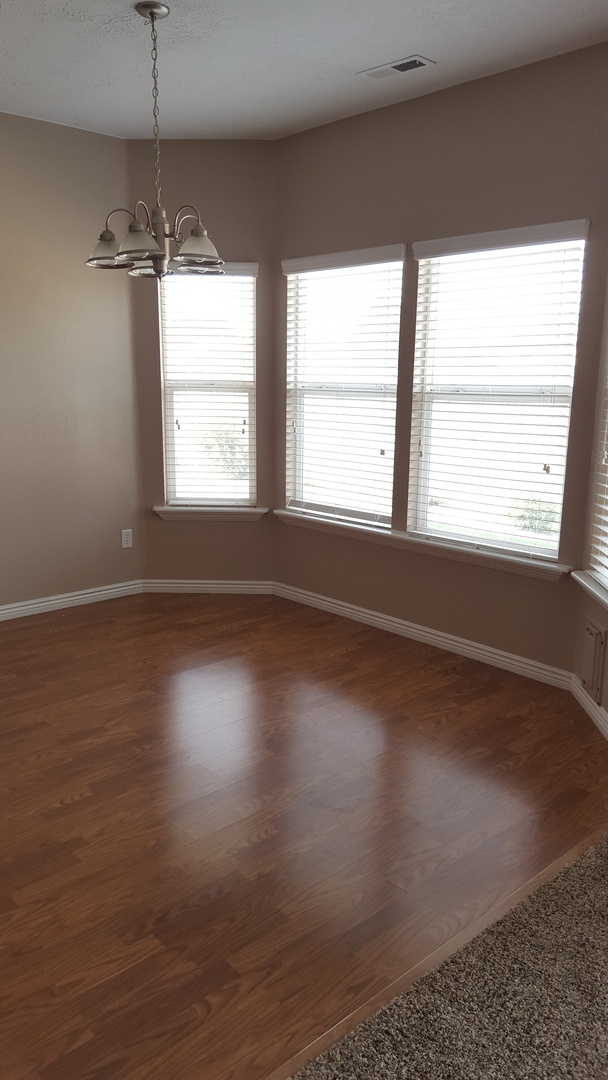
<point>181,508</point>
<point>417,526</point>
<point>595,578</point>
<point>295,503</point>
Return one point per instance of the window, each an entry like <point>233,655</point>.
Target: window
<point>598,560</point>
<point>208,355</point>
<point>342,348</point>
<point>496,336</point>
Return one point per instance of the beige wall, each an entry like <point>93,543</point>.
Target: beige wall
<point>234,186</point>
<point>520,148</point>
<point>68,476</point>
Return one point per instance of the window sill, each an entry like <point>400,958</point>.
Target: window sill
<point>210,513</point>
<point>591,585</point>
<point>511,564</point>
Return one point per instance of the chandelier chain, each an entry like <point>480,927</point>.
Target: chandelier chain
<point>155,113</point>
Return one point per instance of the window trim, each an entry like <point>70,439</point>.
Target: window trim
<point>195,512</point>
<point>341,260</point>
<point>597,575</point>
<point>503,238</point>
<point>536,568</point>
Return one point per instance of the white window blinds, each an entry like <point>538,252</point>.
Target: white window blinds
<point>598,559</point>
<point>208,354</point>
<point>342,350</point>
<point>496,342</point>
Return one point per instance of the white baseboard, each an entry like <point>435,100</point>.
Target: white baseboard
<point>174,585</point>
<point>487,655</point>
<point>71,599</point>
<point>131,588</point>
<point>591,707</point>
<point>521,665</point>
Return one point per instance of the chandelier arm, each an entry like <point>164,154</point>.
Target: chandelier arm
<point>119,210</point>
<point>140,202</point>
<point>180,217</point>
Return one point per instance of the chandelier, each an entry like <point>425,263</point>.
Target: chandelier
<point>146,249</point>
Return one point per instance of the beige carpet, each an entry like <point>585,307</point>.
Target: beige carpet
<point>526,1000</point>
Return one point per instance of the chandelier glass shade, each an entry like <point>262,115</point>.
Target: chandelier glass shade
<point>103,255</point>
<point>146,249</point>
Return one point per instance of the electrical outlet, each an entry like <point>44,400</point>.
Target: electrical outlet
<point>127,538</point>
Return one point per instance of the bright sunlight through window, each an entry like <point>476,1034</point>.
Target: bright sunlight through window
<point>496,342</point>
<point>342,349</point>
<point>208,348</point>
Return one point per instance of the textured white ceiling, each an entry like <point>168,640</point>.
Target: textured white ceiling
<point>263,68</point>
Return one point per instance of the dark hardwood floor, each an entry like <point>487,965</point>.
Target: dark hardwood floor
<point>230,822</point>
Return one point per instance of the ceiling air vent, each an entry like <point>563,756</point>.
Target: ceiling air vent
<point>409,63</point>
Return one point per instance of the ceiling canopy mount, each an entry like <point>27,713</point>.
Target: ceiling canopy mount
<point>150,8</point>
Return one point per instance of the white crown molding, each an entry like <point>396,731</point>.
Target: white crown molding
<point>521,665</point>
